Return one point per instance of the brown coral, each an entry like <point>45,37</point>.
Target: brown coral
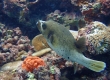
<point>39,42</point>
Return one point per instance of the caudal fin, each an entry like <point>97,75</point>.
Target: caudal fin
<point>91,64</point>
<point>94,65</point>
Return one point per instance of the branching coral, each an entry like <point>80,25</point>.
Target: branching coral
<point>11,43</point>
<point>31,63</point>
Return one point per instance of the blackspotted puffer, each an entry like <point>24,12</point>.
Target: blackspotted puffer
<point>63,43</point>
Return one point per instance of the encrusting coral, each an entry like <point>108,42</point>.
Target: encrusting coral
<point>9,75</point>
<point>11,65</point>
<point>32,62</point>
<point>97,37</point>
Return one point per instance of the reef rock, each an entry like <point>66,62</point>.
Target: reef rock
<point>97,37</point>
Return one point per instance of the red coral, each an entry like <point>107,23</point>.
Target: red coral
<point>32,62</point>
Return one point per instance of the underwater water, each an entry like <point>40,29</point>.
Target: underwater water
<point>54,40</point>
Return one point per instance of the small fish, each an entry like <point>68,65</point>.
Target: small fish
<point>63,43</point>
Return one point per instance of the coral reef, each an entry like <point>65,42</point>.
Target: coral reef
<point>97,11</point>
<point>51,70</point>
<point>11,43</point>
<point>26,12</point>
<point>56,68</point>
<point>21,12</point>
<point>81,17</point>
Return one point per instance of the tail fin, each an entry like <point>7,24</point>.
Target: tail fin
<point>94,65</point>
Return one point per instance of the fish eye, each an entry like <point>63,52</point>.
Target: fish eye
<point>44,26</point>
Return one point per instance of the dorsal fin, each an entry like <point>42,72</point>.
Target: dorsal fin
<point>81,44</point>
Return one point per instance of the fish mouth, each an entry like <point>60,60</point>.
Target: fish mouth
<point>39,25</point>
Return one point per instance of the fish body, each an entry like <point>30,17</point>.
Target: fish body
<point>63,43</point>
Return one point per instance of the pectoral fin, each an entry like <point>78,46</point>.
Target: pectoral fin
<point>80,44</point>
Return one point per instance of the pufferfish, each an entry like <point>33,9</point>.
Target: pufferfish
<point>64,44</point>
